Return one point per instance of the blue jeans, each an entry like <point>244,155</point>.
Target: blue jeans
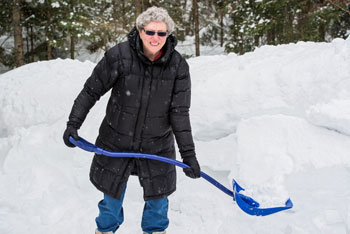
<point>154,217</point>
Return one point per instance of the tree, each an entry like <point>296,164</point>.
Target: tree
<point>109,23</point>
<point>30,36</point>
<point>179,12</point>
<point>342,4</point>
<point>222,11</point>
<point>138,7</point>
<point>142,5</point>
<point>46,15</point>
<point>273,22</point>
<point>6,32</point>
<point>17,32</point>
<point>77,16</point>
<point>196,25</point>
<point>6,14</point>
<point>47,29</point>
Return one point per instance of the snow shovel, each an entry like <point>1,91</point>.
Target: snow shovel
<point>247,204</point>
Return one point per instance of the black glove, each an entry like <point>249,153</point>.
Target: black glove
<point>70,131</point>
<point>195,170</point>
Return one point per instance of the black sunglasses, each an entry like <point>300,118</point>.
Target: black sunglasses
<point>152,33</point>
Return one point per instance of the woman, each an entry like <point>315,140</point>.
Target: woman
<point>148,106</point>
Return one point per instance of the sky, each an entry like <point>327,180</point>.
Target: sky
<point>277,120</point>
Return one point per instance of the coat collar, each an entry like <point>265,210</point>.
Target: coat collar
<point>136,44</point>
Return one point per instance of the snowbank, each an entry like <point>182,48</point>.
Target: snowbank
<point>287,79</point>
<point>276,120</point>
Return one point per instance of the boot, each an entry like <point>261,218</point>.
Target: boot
<point>156,232</point>
<point>98,232</point>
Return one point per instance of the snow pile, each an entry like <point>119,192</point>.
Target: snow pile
<point>40,92</point>
<point>277,120</point>
<point>333,115</point>
<point>288,79</point>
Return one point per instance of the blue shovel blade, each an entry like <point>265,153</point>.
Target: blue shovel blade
<point>250,206</point>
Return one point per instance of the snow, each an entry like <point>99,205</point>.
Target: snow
<point>276,120</point>
<point>188,48</point>
<point>333,115</point>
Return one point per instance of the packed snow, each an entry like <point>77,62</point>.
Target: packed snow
<point>276,120</point>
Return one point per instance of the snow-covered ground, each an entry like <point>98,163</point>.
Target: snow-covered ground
<point>277,120</point>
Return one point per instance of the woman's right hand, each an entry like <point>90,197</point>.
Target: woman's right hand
<point>70,131</point>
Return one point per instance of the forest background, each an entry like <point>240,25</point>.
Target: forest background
<point>49,29</point>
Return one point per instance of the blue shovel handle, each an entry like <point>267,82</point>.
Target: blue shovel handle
<point>247,204</point>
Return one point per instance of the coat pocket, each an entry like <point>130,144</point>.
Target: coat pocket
<point>112,117</point>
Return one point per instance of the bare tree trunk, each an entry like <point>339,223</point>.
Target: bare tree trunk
<point>104,39</point>
<point>142,5</point>
<point>138,7</point>
<point>196,25</point>
<point>31,43</point>
<point>48,34</point>
<point>49,50</point>
<point>17,28</point>
<point>72,46</point>
<point>146,4</point>
<point>27,41</point>
<point>221,6</point>
<point>187,28</point>
<point>270,37</point>
<point>289,35</point>
<point>221,27</point>
<point>72,36</point>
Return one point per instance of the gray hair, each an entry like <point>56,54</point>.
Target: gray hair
<point>158,14</point>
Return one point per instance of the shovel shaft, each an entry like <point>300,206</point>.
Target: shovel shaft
<point>85,145</point>
<point>247,204</point>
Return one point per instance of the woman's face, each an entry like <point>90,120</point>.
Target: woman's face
<point>152,44</point>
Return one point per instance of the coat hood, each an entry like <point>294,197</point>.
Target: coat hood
<point>136,44</point>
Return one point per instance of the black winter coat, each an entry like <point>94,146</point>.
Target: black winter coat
<point>149,104</point>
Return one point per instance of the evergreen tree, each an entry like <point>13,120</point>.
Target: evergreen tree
<point>110,22</point>
<point>179,12</point>
<point>77,15</point>
<point>52,28</point>
<point>273,22</point>
<point>6,32</point>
